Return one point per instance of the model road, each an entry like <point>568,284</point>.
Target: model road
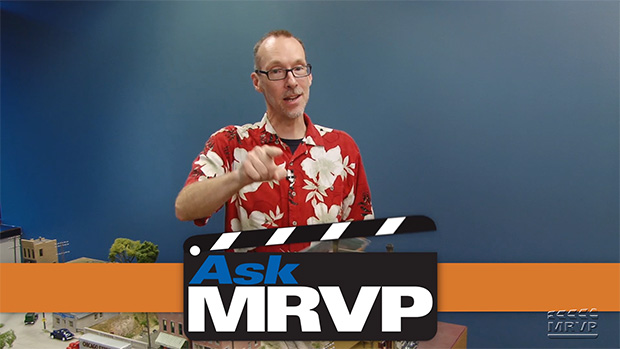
<point>31,336</point>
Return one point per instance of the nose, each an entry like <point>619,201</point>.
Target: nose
<point>291,80</point>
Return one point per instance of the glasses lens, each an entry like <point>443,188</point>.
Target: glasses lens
<point>301,71</point>
<point>276,74</point>
<point>280,74</point>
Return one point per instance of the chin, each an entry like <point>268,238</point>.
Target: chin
<point>294,114</point>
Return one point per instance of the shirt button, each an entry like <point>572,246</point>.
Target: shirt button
<point>295,223</point>
<point>277,142</point>
<point>290,163</point>
<point>293,193</point>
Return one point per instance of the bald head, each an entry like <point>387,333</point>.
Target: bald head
<point>272,34</point>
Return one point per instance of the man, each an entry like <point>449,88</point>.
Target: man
<point>284,170</point>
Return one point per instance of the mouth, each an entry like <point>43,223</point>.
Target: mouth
<point>292,98</point>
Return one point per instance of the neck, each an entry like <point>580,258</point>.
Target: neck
<point>288,128</point>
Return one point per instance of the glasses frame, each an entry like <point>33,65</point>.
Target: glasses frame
<point>266,72</point>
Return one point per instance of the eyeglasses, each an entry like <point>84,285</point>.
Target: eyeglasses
<point>276,74</point>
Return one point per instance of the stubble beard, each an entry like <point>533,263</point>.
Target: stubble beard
<point>280,108</point>
<point>298,113</point>
<point>295,114</point>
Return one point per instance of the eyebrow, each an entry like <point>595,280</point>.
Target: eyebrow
<point>278,63</point>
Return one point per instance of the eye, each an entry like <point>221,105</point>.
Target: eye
<point>299,68</point>
<point>276,71</point>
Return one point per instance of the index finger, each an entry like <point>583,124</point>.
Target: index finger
<point>272,151</point>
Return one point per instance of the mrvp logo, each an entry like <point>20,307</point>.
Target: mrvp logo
<point>310,296</point>
<point>335,296</point>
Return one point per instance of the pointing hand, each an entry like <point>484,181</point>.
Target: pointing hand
<point>259,165</point>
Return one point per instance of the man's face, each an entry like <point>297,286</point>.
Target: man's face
<point>284,98</point>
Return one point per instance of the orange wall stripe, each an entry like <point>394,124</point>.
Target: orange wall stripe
<point>463,287</point>
<point>532,287</point>
<point>89,287</point>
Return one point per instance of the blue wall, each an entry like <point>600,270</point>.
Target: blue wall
<point>499,120</point>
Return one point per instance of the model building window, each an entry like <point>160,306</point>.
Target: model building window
<point>40,252</point>
<point>171,326</point>
<point>164,325</point>
<point>180,328</point>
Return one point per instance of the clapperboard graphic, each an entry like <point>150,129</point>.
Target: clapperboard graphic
<point>310,296</point>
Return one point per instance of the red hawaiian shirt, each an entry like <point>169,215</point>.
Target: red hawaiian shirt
<point>326,181</point>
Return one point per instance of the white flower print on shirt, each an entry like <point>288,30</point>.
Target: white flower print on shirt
<point>223,129</point>
<point>211,165</point>
<point>308,140</point>
<point>243,131</point>
<point>254,221</point>
<point>323,166</point>
<point>272,217</point>
<point>316,191</point>
<point>322,129</point>
<point>348,168</point>
<point>347,203</point>
<point>323,215</point>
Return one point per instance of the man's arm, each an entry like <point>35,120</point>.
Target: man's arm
<point>201,199</point>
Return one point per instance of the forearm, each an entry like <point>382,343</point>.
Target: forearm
<point>201,199</point>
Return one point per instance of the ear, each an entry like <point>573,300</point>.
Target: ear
<point>256,82</point>
<point>310,79</point>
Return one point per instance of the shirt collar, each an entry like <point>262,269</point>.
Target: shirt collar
<point>312,137</point>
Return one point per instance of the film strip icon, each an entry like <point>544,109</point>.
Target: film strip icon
<point>309,233</point>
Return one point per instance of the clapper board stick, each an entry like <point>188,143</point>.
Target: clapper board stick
<point>309,233</point>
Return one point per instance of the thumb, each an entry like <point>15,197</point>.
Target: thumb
<point>279,173</point>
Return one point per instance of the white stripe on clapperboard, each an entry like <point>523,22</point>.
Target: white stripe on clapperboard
<point>334,232</point>
<point>279,236</point>
<point>390,226</point>
<point>225,241</point>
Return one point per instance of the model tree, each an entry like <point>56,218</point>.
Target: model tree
<point>7,338</point>
<point>125,250</point>
<point>147,252</point>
